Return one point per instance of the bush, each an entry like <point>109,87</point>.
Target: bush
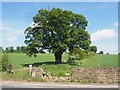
<point>4,61</point>
<point>101,52</point>
<point>71,62</point>
<point>90,53</point>
<point>77,54</point>
<point>93,49</point>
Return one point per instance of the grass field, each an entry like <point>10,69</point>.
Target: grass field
<point>19,61</point>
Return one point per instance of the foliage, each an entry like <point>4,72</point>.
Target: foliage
<point>19,49</point>
<point>77,54</point>
<point>1,49</point>
<point>42,51</point>
<point>6,50</point>
<point>23,49</point>
<point>9,49</point>
<point>71,61</point>
<point>101,52</point>
<point>90,54</point>
<point>4,61</point>
<point>93,49</point>
<point>57,30</point>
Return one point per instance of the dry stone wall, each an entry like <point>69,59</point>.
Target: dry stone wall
<point>82,75</point>
<point>96,75</point>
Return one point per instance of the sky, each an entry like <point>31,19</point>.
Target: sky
<point>102,20</point>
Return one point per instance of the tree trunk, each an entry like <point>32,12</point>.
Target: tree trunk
<point>58,57</point>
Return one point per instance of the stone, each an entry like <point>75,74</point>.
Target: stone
<point>38,72</point>
<point>67,74</point>
<point>33,74</point>
<point>10,69</point>
<point>55,79</point>
<point>98,75</point>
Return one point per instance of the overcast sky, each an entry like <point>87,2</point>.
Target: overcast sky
<point>102,20</point>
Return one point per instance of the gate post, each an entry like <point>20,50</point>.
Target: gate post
<point>30,70</point>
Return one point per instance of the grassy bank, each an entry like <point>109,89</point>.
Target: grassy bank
<point>20,62</point>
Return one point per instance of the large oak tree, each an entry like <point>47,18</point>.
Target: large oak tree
<point>57,30</point>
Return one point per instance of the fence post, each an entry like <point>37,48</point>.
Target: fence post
<point>30,70</point>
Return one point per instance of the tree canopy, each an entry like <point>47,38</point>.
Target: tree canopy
<point>93,49</point>
<point>101,52</point>
<point>57,30</point>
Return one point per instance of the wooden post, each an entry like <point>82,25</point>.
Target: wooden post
<point>9,68</point>
<point>30,70</point>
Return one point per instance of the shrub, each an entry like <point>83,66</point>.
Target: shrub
<point>101,52</point>
<point>93,49</point>
<point>4,61</point>
<point>77,54</point>
<point>90,53</point>
<point>71,62</point>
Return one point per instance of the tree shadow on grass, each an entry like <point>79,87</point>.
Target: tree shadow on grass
<point>37,64</point>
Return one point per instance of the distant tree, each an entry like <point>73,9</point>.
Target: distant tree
<point>18,49</point>
<point>107,53</point>
<point>1,49</point>
<point>57,30</point>
<point>93,49</point>
<point>11,49</point>
<point>23,49</point>
<point>7,50</point>
<point>101,52</point>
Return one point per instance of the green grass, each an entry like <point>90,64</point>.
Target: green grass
<point>58,70</point>
<point>18,59</point>
<point>46,61</point>
<point>19,75</point>
<point>100,61</point>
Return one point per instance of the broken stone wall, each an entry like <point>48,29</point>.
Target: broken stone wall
<point>96,75</point>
